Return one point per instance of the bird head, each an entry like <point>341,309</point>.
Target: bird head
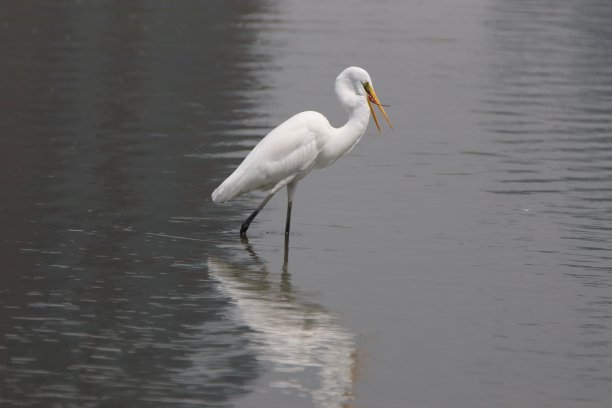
<point>352,85</point>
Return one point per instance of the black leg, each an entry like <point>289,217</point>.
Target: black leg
<point>290,192</point>
<point>288,223</point>
<point>247,222</point>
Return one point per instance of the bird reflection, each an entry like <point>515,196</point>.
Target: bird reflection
<point>307,354</point>
<point>285,277</point>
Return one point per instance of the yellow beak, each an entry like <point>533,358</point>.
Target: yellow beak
<point>373,99</point>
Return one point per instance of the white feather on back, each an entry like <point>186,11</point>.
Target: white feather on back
<point>286,154</point>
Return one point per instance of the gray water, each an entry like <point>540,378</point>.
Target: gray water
<point>461,260</point>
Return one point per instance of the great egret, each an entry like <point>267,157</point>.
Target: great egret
<point>304,142</point>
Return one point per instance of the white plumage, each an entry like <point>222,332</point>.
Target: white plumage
<point>303,142</point>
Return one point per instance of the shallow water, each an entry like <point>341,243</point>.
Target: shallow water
<point>460,260</point>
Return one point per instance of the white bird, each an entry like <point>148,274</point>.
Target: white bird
<point>304,142</point>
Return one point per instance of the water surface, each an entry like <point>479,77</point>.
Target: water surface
<point>460,260</point>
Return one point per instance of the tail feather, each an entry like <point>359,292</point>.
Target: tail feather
<point>230,188</point>
<point>222,193</point>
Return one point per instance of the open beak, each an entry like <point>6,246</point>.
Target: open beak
<point>373,99</point>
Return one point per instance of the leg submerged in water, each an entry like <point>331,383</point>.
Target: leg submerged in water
<point>290,192</point>
<point>247,222</point>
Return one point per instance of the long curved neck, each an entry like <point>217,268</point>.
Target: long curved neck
<point>347,136</point>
